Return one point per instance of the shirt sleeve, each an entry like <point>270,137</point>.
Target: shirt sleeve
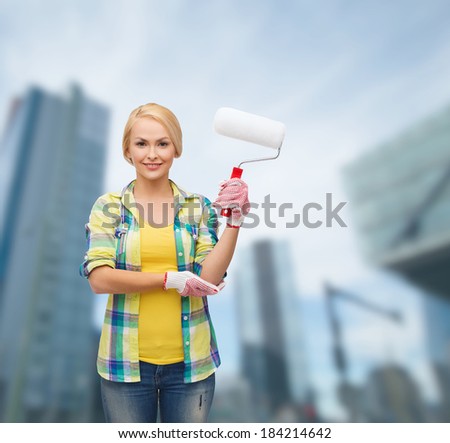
<point>207,235</point>
<point>100,235</point>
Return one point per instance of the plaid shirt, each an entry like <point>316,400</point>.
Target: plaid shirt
<point>113,239</point>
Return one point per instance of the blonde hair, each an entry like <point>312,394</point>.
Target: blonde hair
<point>162,115</point>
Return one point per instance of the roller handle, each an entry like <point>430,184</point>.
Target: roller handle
<point>237,173</point>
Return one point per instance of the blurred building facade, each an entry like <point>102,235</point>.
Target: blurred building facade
<point>437,315</point>
<point>272,351</point>
<point>400,198</point>
<point>53,155</point>
<point>392,396</point>
<point>232,403</point>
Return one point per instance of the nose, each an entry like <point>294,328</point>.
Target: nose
<point>151,153</point>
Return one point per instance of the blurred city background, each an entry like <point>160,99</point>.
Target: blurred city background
<point>325,324</point>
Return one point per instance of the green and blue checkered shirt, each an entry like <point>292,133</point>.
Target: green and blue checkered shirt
<point>113,239</point>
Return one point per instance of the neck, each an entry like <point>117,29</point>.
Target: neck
<point>152,190</point>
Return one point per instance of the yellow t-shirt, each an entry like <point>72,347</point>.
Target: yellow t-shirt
<point>160,336</point>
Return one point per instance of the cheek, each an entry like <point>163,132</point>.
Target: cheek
<point>131,152</point>
<point>168,156</point>
<point>137,154</point>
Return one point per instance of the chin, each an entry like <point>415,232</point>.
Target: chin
<point>154,175</point>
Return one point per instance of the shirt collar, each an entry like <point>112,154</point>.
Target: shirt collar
<point>127,197</point>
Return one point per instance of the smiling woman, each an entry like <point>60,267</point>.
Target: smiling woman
<point>158,260</point>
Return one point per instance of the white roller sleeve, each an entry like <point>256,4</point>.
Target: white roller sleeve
<point>249,127</point>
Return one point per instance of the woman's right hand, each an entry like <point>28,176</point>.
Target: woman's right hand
<point>189,284</point>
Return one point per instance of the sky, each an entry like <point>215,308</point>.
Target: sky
<point>343,76</point>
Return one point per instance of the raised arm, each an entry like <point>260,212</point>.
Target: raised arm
<point>216,263</point>
<point>233,195</point>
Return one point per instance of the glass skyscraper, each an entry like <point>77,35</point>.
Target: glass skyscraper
<point>273,360</point>
<point>52,160</point>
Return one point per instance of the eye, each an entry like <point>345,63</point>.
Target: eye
<point>164,144</point>
<point>140,143</point>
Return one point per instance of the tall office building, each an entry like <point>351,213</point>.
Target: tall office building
<point>52,160</point>
<point>272,354</point>
<point>400,196</point>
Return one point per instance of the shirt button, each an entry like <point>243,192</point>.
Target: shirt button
<point>187,343</point>
<point>185,317</point>
<point>178,229</point>
<point>180,254</point>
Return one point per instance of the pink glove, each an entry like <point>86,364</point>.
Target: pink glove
<point>187,283</point>
<point>233,194</point>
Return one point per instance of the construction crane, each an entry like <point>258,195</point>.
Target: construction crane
<point>348,393</point>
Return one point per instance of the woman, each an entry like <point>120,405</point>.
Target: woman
<point>154,249</point>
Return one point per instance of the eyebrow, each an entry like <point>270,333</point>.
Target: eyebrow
<point>159,140</point>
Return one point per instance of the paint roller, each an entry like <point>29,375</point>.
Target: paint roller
<point>252,128</point>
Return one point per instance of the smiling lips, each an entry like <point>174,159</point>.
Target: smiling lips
<point>152,166</point>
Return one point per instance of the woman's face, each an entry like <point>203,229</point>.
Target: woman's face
<point>151,149</point>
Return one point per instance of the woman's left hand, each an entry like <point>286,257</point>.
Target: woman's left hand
<point>233,195</point>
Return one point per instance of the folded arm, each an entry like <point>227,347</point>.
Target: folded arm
<point>106,280</point>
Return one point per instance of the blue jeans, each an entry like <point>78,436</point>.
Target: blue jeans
<point>179,402</point>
